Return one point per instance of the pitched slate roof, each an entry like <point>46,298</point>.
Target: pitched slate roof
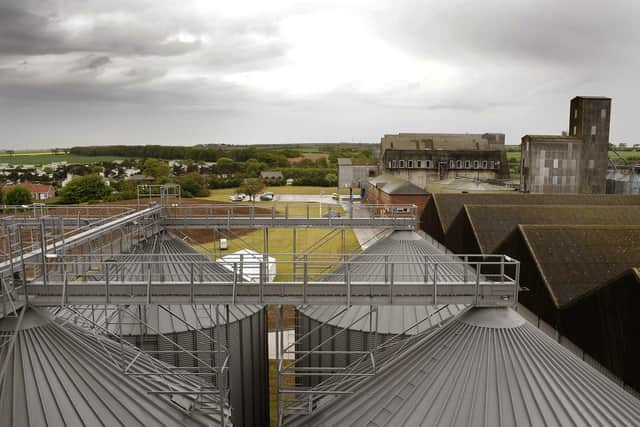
<point>489,367</point>
<point>575,260</point>
<point>492,224</point>
<point>449,206</point>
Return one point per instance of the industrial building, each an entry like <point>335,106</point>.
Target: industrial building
<point>577,253</point>
<point>148,331</point>
<point>572,163</point>
<point>422,158</point>
<point>354,175</point>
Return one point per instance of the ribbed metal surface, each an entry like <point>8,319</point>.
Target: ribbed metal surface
<point>488,367</point>
<point>61,375</point>
<point>390,320</point>
<point>244,334</point>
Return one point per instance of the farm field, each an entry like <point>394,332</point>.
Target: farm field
<point>45,158</point>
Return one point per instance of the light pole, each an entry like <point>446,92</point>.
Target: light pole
<point>321,194</point>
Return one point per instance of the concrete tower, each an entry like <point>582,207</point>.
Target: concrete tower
<point>589,120</point>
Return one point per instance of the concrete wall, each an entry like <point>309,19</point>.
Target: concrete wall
<point>551,166</point>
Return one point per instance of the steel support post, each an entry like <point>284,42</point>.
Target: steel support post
<point>294,259</point>
<point>43,251</point>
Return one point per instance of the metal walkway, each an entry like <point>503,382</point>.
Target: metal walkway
<point>299,215</point>
<point>442,279</point>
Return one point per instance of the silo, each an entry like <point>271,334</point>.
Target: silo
<point>58,374</point>
<point>360,321</point>
<point>488,367</point>
<point>244,333</point>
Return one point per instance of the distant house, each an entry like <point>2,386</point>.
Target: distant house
<point>38,191</point>
<point>271,176</point>
<point>140,179</point>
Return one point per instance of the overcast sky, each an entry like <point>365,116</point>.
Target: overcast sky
<point>188,72</point>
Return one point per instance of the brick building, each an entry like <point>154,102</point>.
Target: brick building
<point>38,191</point>
<point>391,190</point>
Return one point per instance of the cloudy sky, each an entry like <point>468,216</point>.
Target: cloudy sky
<point>81,72</point>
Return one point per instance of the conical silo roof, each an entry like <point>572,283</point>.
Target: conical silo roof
<point>176,256</point>
<point>59,374</point>
<point>488,367</point>
<point>399,246</point>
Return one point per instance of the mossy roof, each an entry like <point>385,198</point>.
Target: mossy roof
<point>575,260</point>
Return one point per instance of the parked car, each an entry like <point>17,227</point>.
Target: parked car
<point>237,197</point>
<point>267,197</point>
<point>332,214</point>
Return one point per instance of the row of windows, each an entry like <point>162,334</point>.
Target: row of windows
<point>453,164</point>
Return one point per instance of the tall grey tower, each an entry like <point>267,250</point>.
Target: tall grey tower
<point>589,121</point>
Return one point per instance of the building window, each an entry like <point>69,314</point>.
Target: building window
<point>428,164</point>
<point>593,130</point>
<point>555,163</point>
<point>603,113</point>
<point>484,164</point>
<point>491,165</point>
<point>575,130</point>
<point>394,164</point>
<point>476,164</point>
<point>459,164</point>
<point>390,165</point>
<point>410,163</point>
<point>419,164</point>
<point>554,180</point>
<point>467,164</point>
<point>575,113</point>
<point>401,164</point>
<point>592,164</point>
<point>497,165</point>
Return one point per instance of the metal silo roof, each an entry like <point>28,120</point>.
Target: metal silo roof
<point>59,374</point>
<point>176,256</point>
<point>398,246</point>
<point>488,367</point>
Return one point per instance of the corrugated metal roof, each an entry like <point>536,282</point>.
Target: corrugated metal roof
<point>177,255</point>
<point>449,206</point>
<point>577,259</point>
<point>59,374</point>
<point>492,224</point>
<point>488,367</point>
<point>398,246</point>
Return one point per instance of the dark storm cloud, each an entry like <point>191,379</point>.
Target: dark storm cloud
<point>570,32</point>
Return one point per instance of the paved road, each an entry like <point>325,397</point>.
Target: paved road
<point>305,198</point>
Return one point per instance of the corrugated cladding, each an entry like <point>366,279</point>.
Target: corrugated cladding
<point>59,374</point>
<point>488,367</point>
<point>492,224</point>
<point>245,334</point>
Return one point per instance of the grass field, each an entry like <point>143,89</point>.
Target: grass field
<point>222,194</point>
<point>281,247</point>
<point>44,158</point>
